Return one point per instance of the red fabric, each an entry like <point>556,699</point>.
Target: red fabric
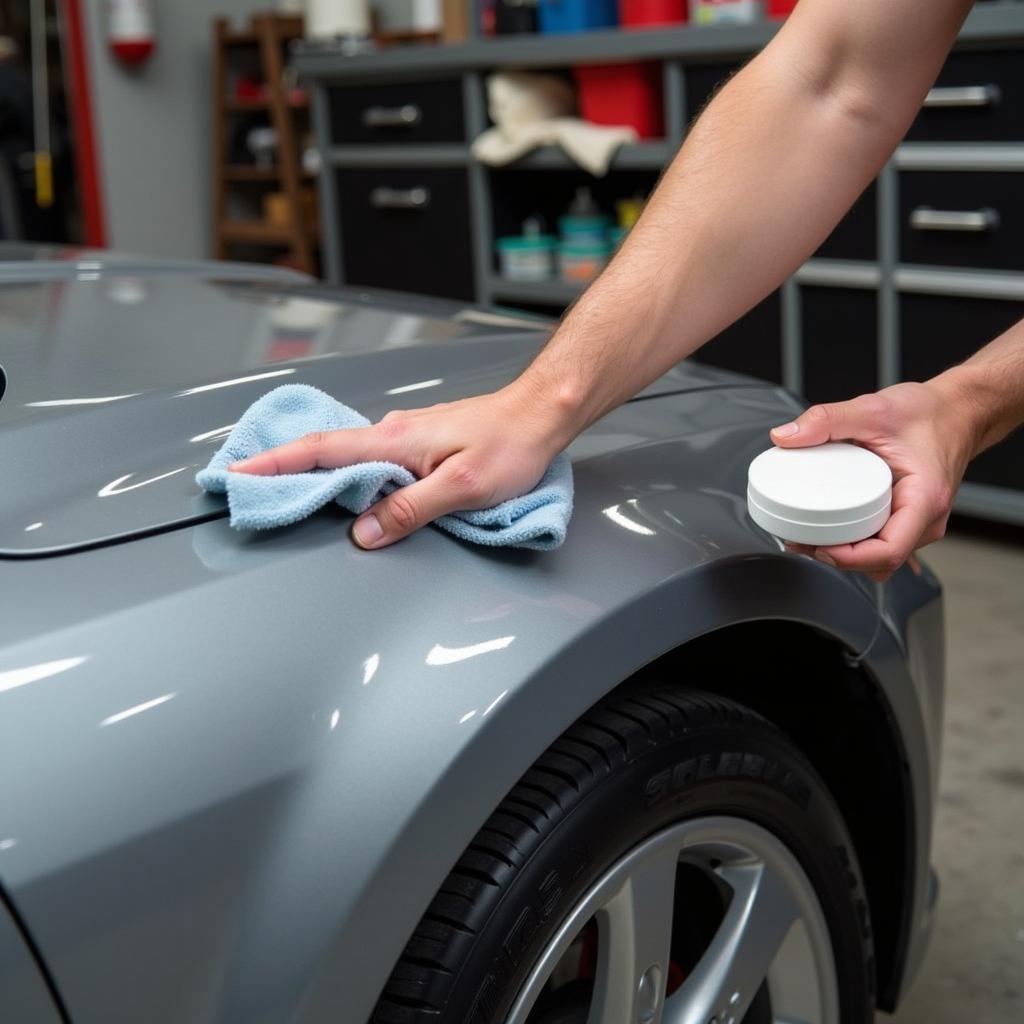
<point>780,8</point>
<point>622,94</point>
<point>651,12</point>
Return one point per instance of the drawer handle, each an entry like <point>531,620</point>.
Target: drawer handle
<point>924,218</point>
<point>405,116</point>
<point>963,96</point>
<point>383,198</point>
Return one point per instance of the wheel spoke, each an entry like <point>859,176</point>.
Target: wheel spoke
<point>634,938</point>
<point>735,964</point>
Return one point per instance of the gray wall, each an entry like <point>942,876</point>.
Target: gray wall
<point>153,128</point>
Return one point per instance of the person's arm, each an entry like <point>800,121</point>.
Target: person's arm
<point>927,433</point>
<point>766,173</point>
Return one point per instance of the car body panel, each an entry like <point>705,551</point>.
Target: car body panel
<point>264,752</point>
<point>24,995</point>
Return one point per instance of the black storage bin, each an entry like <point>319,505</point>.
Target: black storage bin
<point>752,345</point>
<point>397,112</point>
<point>407,229</point>
<point>840,343</point>
<point>939,331</point>
<point>985,210</point>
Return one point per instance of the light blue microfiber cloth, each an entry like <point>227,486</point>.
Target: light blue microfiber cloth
<point>537,520</point>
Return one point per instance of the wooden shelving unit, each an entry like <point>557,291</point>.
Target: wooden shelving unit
<point>262,46</point>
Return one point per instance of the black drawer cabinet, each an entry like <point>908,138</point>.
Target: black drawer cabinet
<point>962,218</point>
<point>855,236</point>
<point>702,81</point>
<point>978,97</point>
<point>396,112</point>
<point>752,345</point>
<point>839,327</point>
<point>939,331</point>
<point>407,229</point>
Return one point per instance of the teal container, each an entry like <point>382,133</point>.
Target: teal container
<point>527,257</point>
<point>585,229</point>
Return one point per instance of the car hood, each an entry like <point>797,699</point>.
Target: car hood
<point>121,383</point>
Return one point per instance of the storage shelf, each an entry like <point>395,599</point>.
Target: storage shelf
<point>400,154</point>
<point>258,232</point>
<point>1000,503</point>
<point>245,103</point>
<point>244,172</point>
<point>554,292</point>
<point>651,155</point>
<point>996,22</point>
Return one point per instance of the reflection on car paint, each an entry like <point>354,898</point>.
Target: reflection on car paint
<point>118,487</point>
<point>614,513</point>
<point>441,655</point>
<point>200,388</point>
<point>418,386</point>
<point>370,667</point>
<point>32,673</point>
<point>137,709</point>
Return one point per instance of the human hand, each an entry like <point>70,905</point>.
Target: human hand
<point>926,434</point>
<point>469,454</point>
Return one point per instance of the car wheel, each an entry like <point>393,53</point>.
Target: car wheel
<point>672,857</point>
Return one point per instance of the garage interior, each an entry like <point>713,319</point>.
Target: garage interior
<point>343,140</point>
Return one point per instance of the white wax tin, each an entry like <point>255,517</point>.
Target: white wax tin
<point>830,494</point>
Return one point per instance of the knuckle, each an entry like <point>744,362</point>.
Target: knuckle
<point>876,406</point>
<point>819,413</point>
<point>393,425</point>
<point>468,481</point>
<point>315,444</point>
<point>403,511</point>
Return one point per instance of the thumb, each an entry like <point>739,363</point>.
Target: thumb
<point>836,421</point>
<point>407,509</point>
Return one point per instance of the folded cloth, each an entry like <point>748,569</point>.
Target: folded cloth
<point>536,520</point>
<point>531,110</point>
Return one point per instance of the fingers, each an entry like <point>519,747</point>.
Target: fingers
<point>322,450</point>
<point>856,420</point>
<point>448,489</point>
<point>881,556</point>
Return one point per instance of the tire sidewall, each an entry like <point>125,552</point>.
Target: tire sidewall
<point>716,770</point>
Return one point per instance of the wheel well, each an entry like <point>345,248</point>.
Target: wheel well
<point>834,711</point>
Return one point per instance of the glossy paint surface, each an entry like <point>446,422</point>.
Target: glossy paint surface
<point>234,769</point>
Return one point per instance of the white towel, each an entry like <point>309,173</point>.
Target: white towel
<point>531,110</point>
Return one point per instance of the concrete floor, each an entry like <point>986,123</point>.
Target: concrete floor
<point>975,967</point>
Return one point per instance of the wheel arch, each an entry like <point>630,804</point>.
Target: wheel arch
<point>846,729</point>
<point>676,622</point>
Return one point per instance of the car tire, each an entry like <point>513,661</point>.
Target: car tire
<point>643,762</point>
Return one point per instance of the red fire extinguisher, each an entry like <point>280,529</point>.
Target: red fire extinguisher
<point>130,30</point>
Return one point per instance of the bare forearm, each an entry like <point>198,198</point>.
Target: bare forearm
<point>765,174</point>
<point>989,387</point>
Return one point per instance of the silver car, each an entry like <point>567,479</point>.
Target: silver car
<point>667,773</point>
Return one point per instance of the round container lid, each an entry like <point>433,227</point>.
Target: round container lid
<point>829,494</point>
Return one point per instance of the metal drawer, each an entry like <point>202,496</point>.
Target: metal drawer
<point>938,331</point>
<point>406,229</point>
<point>962,218</point>
<point>396,112</point>
<point>855,236</point>
<point>840,349</point>
<point>752,345</point>
<point>978,97</point>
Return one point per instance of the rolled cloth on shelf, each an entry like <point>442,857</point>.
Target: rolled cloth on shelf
<point>531,110</point>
